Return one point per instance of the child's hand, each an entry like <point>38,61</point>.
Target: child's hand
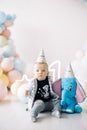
<point>26,92</point>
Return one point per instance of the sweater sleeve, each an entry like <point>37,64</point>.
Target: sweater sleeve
<point>29,85</point>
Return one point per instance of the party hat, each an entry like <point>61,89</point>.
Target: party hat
<point>41,58</point>
<point>69,72</point>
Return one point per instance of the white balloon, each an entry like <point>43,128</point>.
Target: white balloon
<point>20,94</point>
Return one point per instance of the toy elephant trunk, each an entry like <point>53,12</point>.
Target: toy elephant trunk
<point>68,87</point>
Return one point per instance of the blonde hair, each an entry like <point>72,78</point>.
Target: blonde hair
<point>41,63</point>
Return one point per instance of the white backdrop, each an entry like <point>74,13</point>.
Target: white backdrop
<point>58,26</point>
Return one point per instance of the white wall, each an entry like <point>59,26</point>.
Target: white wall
<point>58,26</point>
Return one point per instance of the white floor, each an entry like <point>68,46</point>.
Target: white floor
<point>13,116</point>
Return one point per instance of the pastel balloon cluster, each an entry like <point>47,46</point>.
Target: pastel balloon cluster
<point>11,65</point>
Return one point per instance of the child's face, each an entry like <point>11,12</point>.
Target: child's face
<point>40,71</point>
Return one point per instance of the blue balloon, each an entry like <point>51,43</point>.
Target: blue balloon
<point>2,18</point>
<point>19,65</point>
<point>12,18</point>
<point>8,51</point>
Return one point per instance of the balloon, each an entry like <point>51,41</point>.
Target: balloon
<point>3,41</point>
<point>6,33</point>
<point>1,57</point>
<point>3,91</point>
<point>20,94</point>
<point>8,23</point>
<point>2,17</point>
<point>1,71</point>
<point>14,75</point>
<point>8,50</point>
<point>4,80</point>
<point>17,55</point>
<point>9,20</point>
<point>2,28</point>
<point>7,64</point>
<point>19,65</point>
<point>6,20</point>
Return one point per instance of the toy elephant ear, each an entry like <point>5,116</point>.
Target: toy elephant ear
<point>80,93</point>
<point>57,87</point>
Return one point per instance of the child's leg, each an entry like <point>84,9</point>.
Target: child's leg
<point>56,111</point>
<point>55,101</point>
<point>56,104</point>
<point>52,105</point>
<point>37,108</point>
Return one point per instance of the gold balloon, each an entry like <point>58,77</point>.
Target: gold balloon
<point>4,79</point>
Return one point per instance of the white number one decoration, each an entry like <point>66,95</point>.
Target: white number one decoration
<point>54,70</point>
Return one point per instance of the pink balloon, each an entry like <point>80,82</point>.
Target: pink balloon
<point>6,33</point>
<point>14,75</point>
<point>7,64</point>
<point>3,91</point>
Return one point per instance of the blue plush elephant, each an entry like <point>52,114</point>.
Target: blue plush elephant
<point>69,102</point>
<point>70,92</point>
